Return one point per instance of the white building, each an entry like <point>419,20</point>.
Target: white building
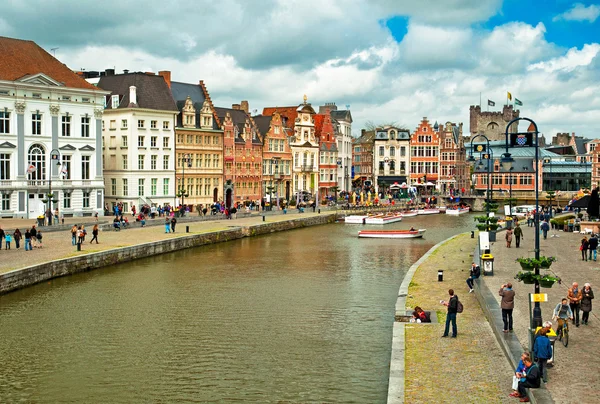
<point>139,140</point>
<point>342,120</point>
<point>391,158</point>
<point>305,151</point>
<point>50,143</point>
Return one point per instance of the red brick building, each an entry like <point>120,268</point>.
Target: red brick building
<point>424,154</point>
<point>454,171</point>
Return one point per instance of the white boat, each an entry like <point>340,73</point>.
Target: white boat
<point>391,233</point>
<point>458,211</point>
<point>355,219</point>
<point>442,209</point>
<point>383,219</point>
<point>428,211</point>
<point>409,213</point>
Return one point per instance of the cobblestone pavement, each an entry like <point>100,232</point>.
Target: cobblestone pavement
<point>575,378</point>
<point>468,369</point>
<point>57,245</point>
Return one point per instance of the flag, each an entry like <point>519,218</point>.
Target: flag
<point>491,103</point>
<point>518,102</point>
<point>31,168</point>
<point>64,171</point>
<point>509,96</point>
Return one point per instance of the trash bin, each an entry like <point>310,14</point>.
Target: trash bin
<point>40,220</point>
<point>487,263</point>
<point>440,275</point>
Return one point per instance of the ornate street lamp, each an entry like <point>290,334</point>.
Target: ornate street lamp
<point>50,198</point>
<point>182,193</point>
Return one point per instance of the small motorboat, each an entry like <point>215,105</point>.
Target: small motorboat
<point>355,219</point>
<point>458,211</point>
<point>409,213</point>
<point>383,219</point>
<point>391,233</point>
<point>433,211</point>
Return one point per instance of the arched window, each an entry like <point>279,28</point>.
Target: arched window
<point>37,162</point>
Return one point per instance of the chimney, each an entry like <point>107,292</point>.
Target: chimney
<point>132,95</point>
<point>109,72</point>
<point>125,71</point>
<point>244,106</point>
<point>235,106</point>
<point>166,74</point>
<point>362,132</point>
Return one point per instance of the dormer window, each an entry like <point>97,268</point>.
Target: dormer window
<point>114,101</point>
<point>189,113</point>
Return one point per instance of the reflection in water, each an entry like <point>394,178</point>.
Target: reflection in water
<point>298,316</point>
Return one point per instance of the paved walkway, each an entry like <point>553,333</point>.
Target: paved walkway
<point>469,369</point>
<point>57,245</point>
<point>575,377</point>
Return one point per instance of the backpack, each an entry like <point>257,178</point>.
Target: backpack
<point>459,307</point>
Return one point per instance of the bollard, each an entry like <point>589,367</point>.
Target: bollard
<point>440,275</point>
<point>187,229</point>
<point>472,234</point>
<point>263,218</point>
<point>78,246</point>
<point>319,210</point>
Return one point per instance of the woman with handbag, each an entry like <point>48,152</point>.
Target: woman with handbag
<point>583,248</point>
<point>586,302</point>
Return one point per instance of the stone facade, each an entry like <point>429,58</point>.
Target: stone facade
<point>492,124</point>
<point>454,171</point>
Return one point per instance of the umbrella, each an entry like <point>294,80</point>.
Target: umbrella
<point>429,184</point>
<point>581,202</point>
<point>404,186</point>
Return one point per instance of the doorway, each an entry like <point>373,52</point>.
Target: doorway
<point>215,195</point>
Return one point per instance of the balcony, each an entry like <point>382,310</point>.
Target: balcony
<point>36,183</point>
<point>306,168</point>
<point>6,183</point>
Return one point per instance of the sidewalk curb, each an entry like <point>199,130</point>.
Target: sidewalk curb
<point>510,344</point>
<point>396,382</point>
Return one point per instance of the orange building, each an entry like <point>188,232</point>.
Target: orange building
<point>424,154</point>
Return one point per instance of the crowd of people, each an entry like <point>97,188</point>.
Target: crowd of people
<point>31,239</point>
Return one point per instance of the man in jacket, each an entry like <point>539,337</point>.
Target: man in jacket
<point>593,246</point>
<point>545,227</point>
<point>518,234</point>
<point>542,351</point>
<point>507,304</point>
<point>474,273</point>
<point>575,297</point>
<point>532,379</point>
<point>452,305</point>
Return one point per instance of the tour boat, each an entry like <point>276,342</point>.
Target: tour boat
<point>391,233</point>
<point>383,219</point>
<point>428,211</point>
<point>458,211</point>
<point>442,209</point>
<point>409,213</point>
<point>355,219</point>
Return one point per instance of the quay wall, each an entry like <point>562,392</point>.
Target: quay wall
<point>24,277</point>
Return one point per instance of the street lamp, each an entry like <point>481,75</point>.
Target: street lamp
<point>510,181</point>
<point>182,193</point>
<point>528,139</point>
<point>471,160</point>
<point>584,161</point>
<point>54,156</point>
<point>277,179</point>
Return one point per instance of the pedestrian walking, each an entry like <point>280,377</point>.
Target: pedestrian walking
<point>17,236</point>
<point>452,305</point>
<point>8,238</point>
<point>542,351</point>
<point>593,246</point>
<point>474,273</point>
<point>80,235</point>
<point>33,233</point>
<point>507,304</point>
<point>508,237</point>
<point>74,234</point>
<point>575,296</point>
<point>518,235</point>
<point>39,236</point>
<point>167,225</point>
<point>94,234</point>
<point>545,228</point>
<point>28,240</point>
<point>584,248</point>
<point>586,302</point>
<point>173,224</point>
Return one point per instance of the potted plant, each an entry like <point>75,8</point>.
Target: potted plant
<point>481,219</point>
<point>493,219</point>
<point>481,226</point>
<point>527,264</point>
<point>526,277</point>
<point>547,281</point>
<point>545,262</point>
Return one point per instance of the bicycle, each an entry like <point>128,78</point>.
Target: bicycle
<point>563,333</point>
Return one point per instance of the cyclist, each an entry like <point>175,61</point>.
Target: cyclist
<point>563,313</point>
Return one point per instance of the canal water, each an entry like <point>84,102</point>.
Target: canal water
<point>297,316</point>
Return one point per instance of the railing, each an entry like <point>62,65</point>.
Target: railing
<point>86,183</point>
<point>6,183</point>
<point>277,176</point>
<point>36,183</point>
<point>306,168</point>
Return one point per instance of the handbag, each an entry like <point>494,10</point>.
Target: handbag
<point>581,248</point>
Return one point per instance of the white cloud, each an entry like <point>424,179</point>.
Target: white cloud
<point>573,58</point>
<point>580,12</point>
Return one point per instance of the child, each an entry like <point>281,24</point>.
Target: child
<point>39,239</point>
<point>8,240</point>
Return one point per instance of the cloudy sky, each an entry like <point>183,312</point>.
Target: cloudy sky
<point>390,60</point>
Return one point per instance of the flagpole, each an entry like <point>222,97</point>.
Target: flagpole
<point>480,100</point>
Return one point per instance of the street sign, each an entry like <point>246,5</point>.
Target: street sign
<point>521,139</point>
<point>539,297</point>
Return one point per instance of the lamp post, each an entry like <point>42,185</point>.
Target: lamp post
<point>54,156</point>
<point>277,179</point>
<point>182,193</point>
<point>524,140</point>
<point>584,160</point>
<point>510,180</point>
<point>471,160</point>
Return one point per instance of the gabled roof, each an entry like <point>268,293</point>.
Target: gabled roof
<point>180,92</point>
<point>24,59</point>
<point>263,123</point>
<point>367,137</point>
<point>318,118</point>
<point>343,115</point>
<point>289,113</point>
<point>238,116</point>
<point>152,92</point>
<point>580,144</point>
